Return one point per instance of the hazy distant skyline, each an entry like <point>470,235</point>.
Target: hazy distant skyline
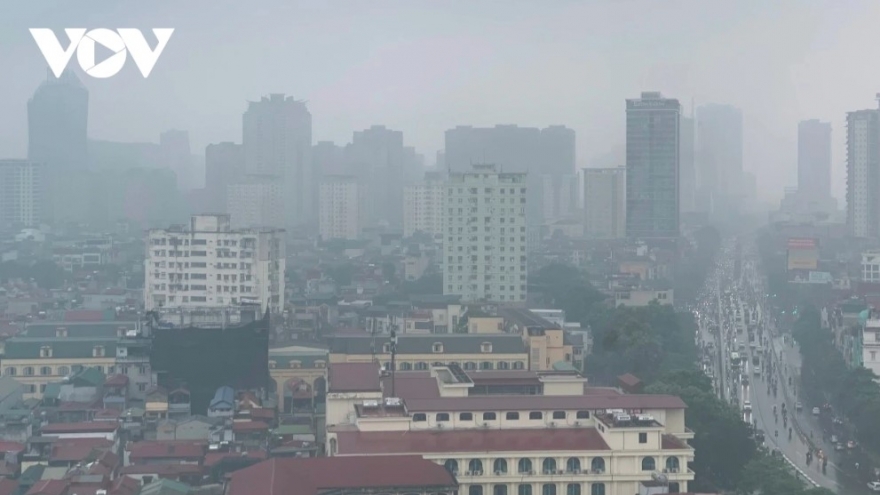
<point>423,67</point>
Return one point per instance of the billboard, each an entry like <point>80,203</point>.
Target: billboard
<point>803,253</point>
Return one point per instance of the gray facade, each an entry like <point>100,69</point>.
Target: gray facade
<point>814,159</point>
<point>652,167</point>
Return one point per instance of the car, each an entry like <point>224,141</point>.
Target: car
<point>838,447</point>
<point>833,438</point>
<point>798,406</point>
<point>815,411</point>
<point>747,406</point>
<point>874,486</point>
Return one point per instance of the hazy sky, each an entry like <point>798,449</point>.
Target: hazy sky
<point>424,66</point>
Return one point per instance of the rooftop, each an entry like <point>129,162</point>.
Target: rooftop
<point>97,427</point>
<point>167,449</point>
<point>424,344</point>
<point>545,403</point>
<point>512,440</point>
<point>311,476</point>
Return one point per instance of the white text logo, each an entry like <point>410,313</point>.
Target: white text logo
<point>120,42</point>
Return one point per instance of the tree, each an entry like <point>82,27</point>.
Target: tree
<point>769,474</point>
<point>566,287</point>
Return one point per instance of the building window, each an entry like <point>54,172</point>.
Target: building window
<point>512,416</point>
<point>475,466</point>
<point>45,370</point>
<point>386,348</point>
<point>10,371</point>
<point>451,465</point>
<point>489,416</point>
<point>648,464</point>
<point>437,347</point>
<point>524,466</point>
<point>500,466</point>
<point>442,417</point>
<point>470,365</point>
<point>597,465</point>
<point>405,366</point>
<point>573,489</point>
<point>549,466</point>
<point>63,370</point>
<point>419,417</point>
<point>524,490</point>
<point>536,415</point>
<point>28,371</point>
<point>597,489</point>
<point>503,365</point>
<point>583,415</point>
<point>421,366</point>
<point>466,417</point>
<point>486,365</point>
<point>672,464</point>
<point>98,351</point>
<point>486,347</point>
<point>643,437</point>
<point>558,414</point>
<point>45,351</point>
<point>475,490</point>
<point>32,389</point>
<point>573,465</point>
<point>272,364</point>
<point>548,489</point>
<point>499,490</point>
<point>519,365</point>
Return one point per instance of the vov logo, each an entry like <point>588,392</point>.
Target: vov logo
<point>121,42</point>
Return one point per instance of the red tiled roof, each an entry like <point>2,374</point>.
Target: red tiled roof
<point>353,377</point>
<point>125,485</point>
<point>262,413</point>
<point>167,449</point>
<point>215,457</point>
<point>116,381</point>
<point>163,470</point>
<point>309,476</point>
<point>544,402</point>
<point>96,427</point>
<point>249,426</point>
<point>514,440</point>
<point>8,486</point>
<point>49,487</point>
<point>11,447</point>
<point>106,464</point>
<point>671,442</point>
<point>76,449</point>
<point>84,315</point>
<point>107,414</point>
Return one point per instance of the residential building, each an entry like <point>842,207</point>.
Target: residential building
<point>277,142</point>
<point>23,194</point>
<point>396,475</point>
<point>871,342</point>
<point>605,203</point>
<point>719,156</point>
<point>420,352</point>
<point>299,373</point>
<point>548,343</point>
<point>339,208</point>
<point>511,431</point>
<point>423,206</point>
<point>559,196</point>
<point>176,156</point>
<point>224,166</point>
<point>871,267</point>
<point>208,264</point>
<point>256,201</point>
<point>687,167</point>
<point>48,352</point>
<point>652,165</point>
<point>863,173</point>
<point>484,252</point>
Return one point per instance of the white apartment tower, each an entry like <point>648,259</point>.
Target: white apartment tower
<point>863,173</point>
<point>208,265</point>
<point>484,248</point>
<point>255,202</point>
<point>339,208</point>
<point>423,206</point>
<point>605,203</point>
<point>22,194</point>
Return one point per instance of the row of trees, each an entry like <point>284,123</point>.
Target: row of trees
<point>825,378</point>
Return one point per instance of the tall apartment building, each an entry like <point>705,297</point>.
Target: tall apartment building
<point>255,201</point>
<point>863,173</point>
<point>687,167</point>
<point>484,250</point>
<point>208,264</point>
<point>652,165</point>
<point>277,141</point>
<point>559,196</point>
<point>340,208</point>
<point>423,206</point>
<point>23,200</point>
<point>719,156</point>
<point>224,166</point>
<point>814,158</point>
<point>176,155</point>
<point>605,203</point>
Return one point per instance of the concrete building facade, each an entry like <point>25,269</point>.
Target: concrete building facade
<point>340,207</point>
<point>23,198</point>
<point>605,203</point>
<point>423,206</point>
<point>863,173</point>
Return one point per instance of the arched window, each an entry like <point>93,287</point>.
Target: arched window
<point>503,365</point>
<point>549,466</point>
<point>573,489</point>
<point>451,465</point>
<point>674,487</point>
<point>475,490</point>
<point>648,464</point>
<point>28,371</point>
<point>524,490</point>
<point>500,466</point>
<point>499,490</point>
<point>597,465</point>
<point>10,371</point>
<point>487,365</point>
<point>672,464</point>
<point>548,489</point>
<point>421,366</point>
<point>519,365</point>
<point>470,365</point>
<point>63,370</point>
<point>100,368</point>
<point>525,466</point>
<point>475,466</point>
<point>333,444</point>
<point>573,465</point>
<point>405,366</point>
<point>597,489</point>
<point>45,370</point>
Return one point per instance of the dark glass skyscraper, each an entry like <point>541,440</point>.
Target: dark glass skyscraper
<point>652,167</point>
<point>58,118</point>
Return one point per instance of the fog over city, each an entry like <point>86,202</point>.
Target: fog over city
<point>423,67</point>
